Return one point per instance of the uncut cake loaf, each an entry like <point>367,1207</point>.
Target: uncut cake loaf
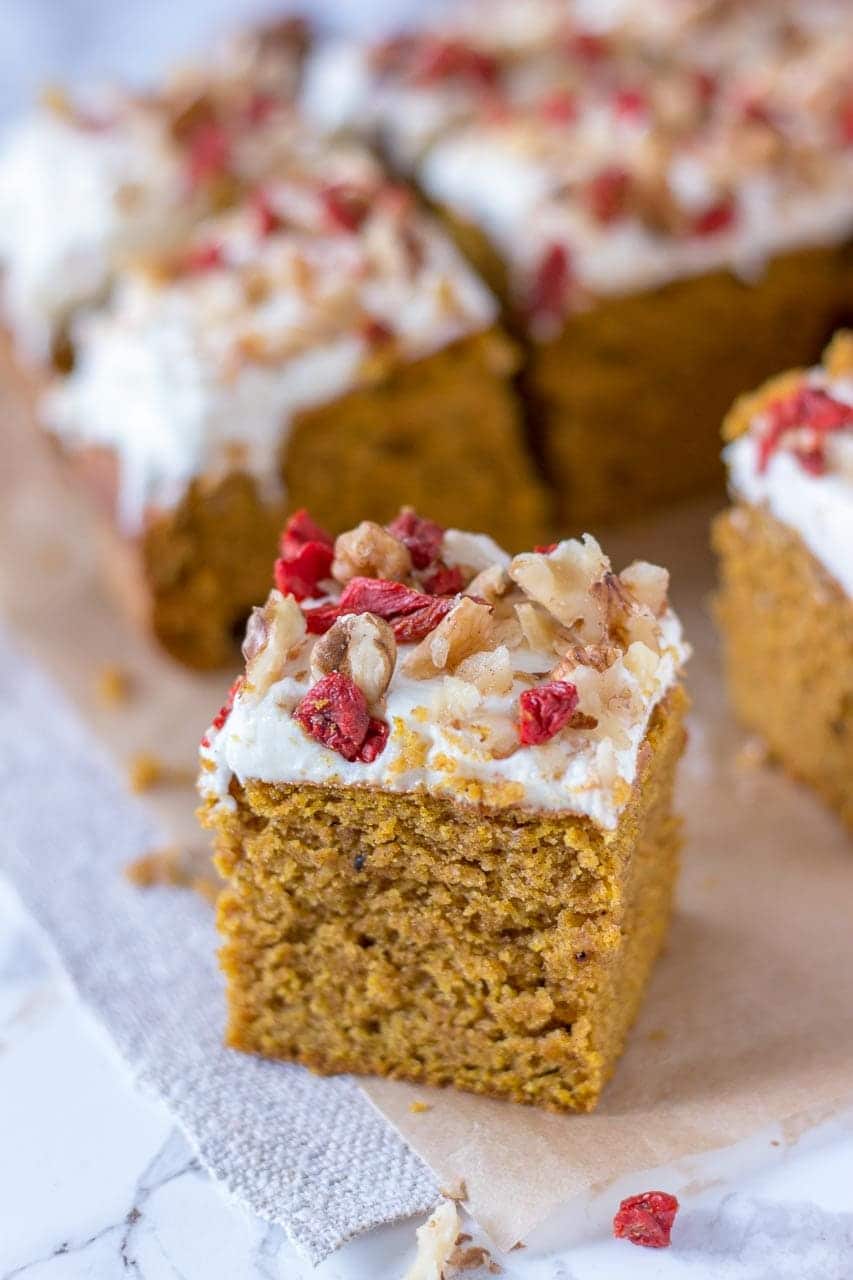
<point>320,341</point>
<point>661,193</point>
<point>785,605</point>
<point>442,803</point>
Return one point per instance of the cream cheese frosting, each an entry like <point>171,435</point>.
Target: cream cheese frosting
<point>819,507</point>
<point>454,729</point>
<point>200,365</point>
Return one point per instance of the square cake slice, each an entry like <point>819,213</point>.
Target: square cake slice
<point>653,190</point>
<point>786,563</point>
<point>442,799</point>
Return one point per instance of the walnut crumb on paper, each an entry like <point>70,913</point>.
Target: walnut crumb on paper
<point>473,1257</point>
<point>436,1242</point>
<point>456,1191</point>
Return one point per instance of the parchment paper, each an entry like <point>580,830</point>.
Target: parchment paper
<point>749,1019</point>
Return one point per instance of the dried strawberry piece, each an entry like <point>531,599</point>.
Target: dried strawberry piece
<point>420,622</point>
<point>560,106</point>
<point>646,1219</point>
<point>334,712</point>
<point>717,217</point>
<point>585,46</point>
<point>204,257</point>
<point>298,530</point>
<point>306,557</point>
<point>346,205</point>
<point>552,284</point>
<point>845,121</point>
<point>260,107</point>
<point>224,711</point>
<point>545,548</point>
<point>436,60</point>
<point>412,614</point>
<point>445,580</point>
<point>630,104</point>
<point>806,407</point>
<point>422,537</point>
<point>374,741</point>
<point>376,332</point>
<point>606,193</point>
<point>208,153</point>
<point>266,218</point>
<point>545,710</point>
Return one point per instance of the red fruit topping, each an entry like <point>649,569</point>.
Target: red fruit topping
<point>706,86</point>
<point>716,218</point>
<point>545,710</point>
<point>260,107</point>
<point>346,205</point>
<point>267,220</point>
<point>545,548</point>
<point>606,194</point>
<point>300,528</point>
<point>224,711</point>
<point>552,284</point>
<point>422,537</point>
<point>813,411</point>
<point>299,575</point>
<point>630,104</point>
<point>436,60</point>
<point>845,122</point>
<point>646,1219</point>
<point>306,557</point>
<point>204,257</point>
<point>586,46</point>
<point>335,713</point>
<point>445,580</point>
<point>559,107</point>
<point>375,331</point>
<point>412,614</point>
<point>208,153</point>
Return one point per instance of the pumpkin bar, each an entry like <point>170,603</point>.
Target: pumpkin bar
<point>785,605</point>
<point>85,182</point>
<point>655,191</point>
<point>321,343</point>
<point>442,801</point>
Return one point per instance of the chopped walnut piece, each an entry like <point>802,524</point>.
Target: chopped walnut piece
<point>563,582</point>
<point>473,551</point>
<point>643,664</point>
<point>360,646</point>
<point>542,632</point>
<point>490,584</point>
<point>597,656</point>
<point>648,584</point>
<point>625,618</point>
<point>474,1257</point>
<point>490,673</point>
<point>467,629</point>
<point>369,551</point>
<point>272,634</point>
<point>838,357</point>
<point>436,1241</point>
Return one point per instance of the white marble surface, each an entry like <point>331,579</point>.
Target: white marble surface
<point>95,1181</point>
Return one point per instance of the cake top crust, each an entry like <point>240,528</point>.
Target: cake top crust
<point>412,657</point>
<point>791,450</point>
<point>609,148</point>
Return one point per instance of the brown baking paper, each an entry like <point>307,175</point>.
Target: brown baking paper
<point>749,1018</point>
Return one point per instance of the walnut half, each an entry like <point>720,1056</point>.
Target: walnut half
<point>362,647</point>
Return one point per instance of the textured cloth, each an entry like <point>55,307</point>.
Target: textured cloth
<point>307,1153</point>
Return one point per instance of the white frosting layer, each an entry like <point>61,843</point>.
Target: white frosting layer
<point>818,507</point>
<point>463,737</point>
<point>72,202</point>
<point>162,377</point>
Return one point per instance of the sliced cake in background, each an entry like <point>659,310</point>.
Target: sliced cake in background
<point>786,561</point>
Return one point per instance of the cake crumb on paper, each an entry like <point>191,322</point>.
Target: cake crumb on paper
<point>436,1242</point>
<point>175,868</point>
<point>473,1257</point>
<point>113,685</point>
<point>456,1191</point>
<point>147,770</point>
<point>418,1107</point>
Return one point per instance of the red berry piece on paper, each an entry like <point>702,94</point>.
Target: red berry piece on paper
<point>646,1219</point>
